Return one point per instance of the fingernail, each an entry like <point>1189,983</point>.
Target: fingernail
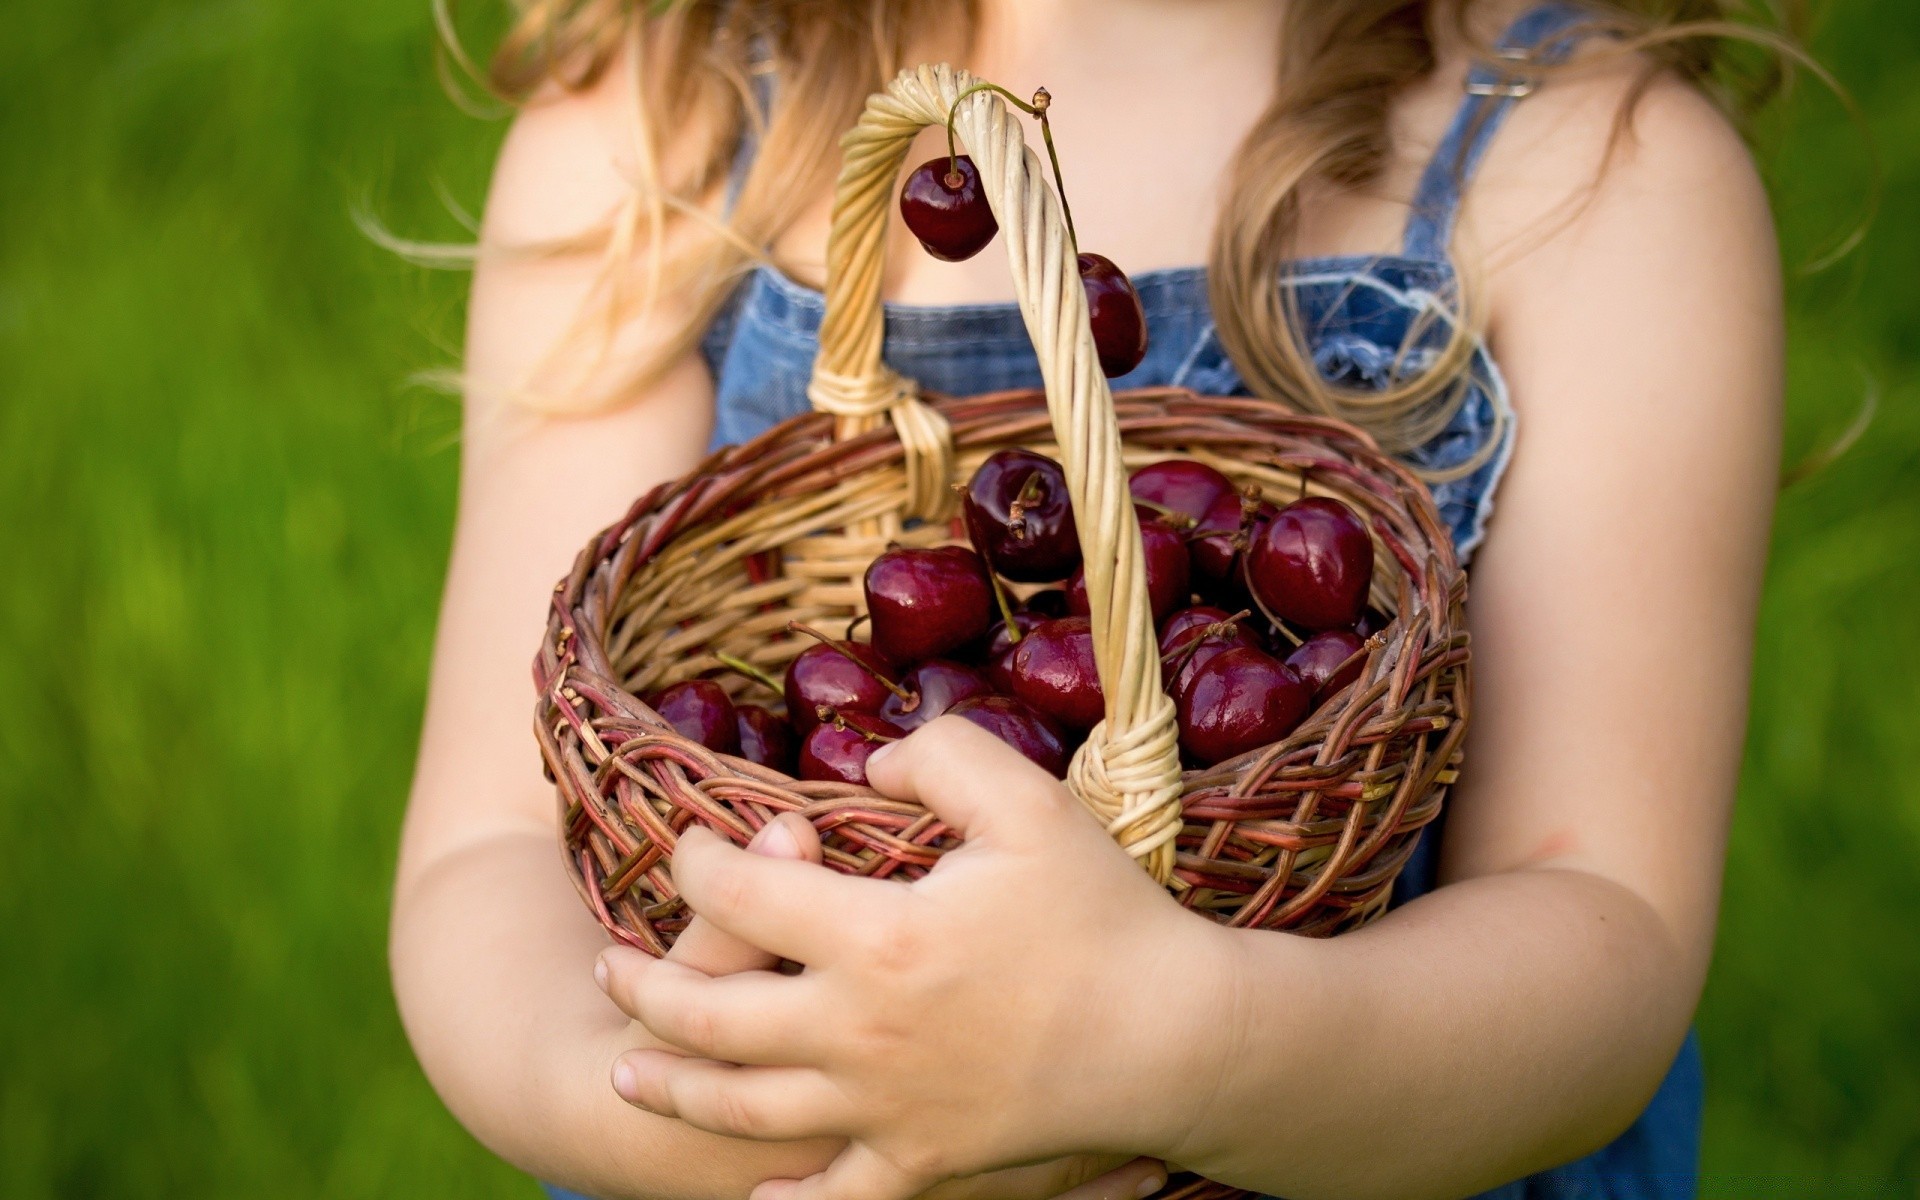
<point>1150,1185</point>
<point>625,1082</point>
<point>873,760</point>
<point>775,840</point>
<point>600,972</point>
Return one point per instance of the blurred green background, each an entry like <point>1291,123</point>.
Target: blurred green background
<point>226,512</point>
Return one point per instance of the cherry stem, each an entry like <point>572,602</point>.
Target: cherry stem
<point>1166,516</point>
<point>840,647</point>
<point>1006,605</point>
<point>1042,101</point>
<point>743,667</point>
<point>829,716</point>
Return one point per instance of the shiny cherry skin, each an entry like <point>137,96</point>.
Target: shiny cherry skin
<point>925,603</point>
<point>1020,727</point>
<point>765,737</point>
<point>1113,308</point>
<point>933,687</point>
<point>1180,486</point>
<point>1053,673</point>
<point>1241,700</point>
<point>1312,565</point>
<point>837,675</point>
<point>1001,645</point>
<point>1317,661</point>
<point>1020,518</point>
<point>945,206</point>
<point>1169,569</point>
<point>1192,637</point>
<point>1217,544</point>
<point>703,712</point>
<point>837,749</point>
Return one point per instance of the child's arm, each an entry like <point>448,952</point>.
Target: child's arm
<point>1518,1017</point>
<point>492,951</point>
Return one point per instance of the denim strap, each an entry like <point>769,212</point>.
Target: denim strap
<point>1546,35</point>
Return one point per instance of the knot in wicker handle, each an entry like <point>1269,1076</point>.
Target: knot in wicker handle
<point>1128,773</point>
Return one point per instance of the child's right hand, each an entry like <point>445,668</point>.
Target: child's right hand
<point>714,952</point>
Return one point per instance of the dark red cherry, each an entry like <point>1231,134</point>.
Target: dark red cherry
<point>1113,308</point>
<point>1049,604</point>
<point>1371,622</point>
<point>932,688</point>
<point>1020,727</point>
<point>1054,674</point>
<point>926,603</point>
<point>1168,569</point>
<point>702,711</point>
<point>837,749</point>
<point>1317,661</point>
<point>839,675</point>
<point>765,737</point>
<point>1182,486</point>
<point>1219,540</point>
<point>1239,701</point>
<point>998,655</point>
<point>1020,517</point>
<point>1190,638</point>
<point>1312,565</point>
<point>945,205</point>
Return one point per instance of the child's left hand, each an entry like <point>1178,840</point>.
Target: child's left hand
<point>1035,995</point>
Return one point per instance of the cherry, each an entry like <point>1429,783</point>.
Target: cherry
<point>1018,726</point>
<point>1048,604</point>
<point>946,207</point>
<point>932,688</point>
<point>1053,673</point>
<point>1168,569</point>
<point>1220,537</point>
<point>1312,565</point>
<point>765,737</point>
<point>1182,486</point>
<point>1001,645</point>
<point>1371,622</point>
<point>845,676</point>
<point>840,744</point>
<point>925,603</point>
<point>1239,701</point>
<point>1192,637</point>
<point>1113,309</point>
<point>1318,659</point>
<point>703,712</point>
<point>1020,518</point>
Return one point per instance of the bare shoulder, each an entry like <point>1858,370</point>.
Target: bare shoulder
<point>1608,164</point>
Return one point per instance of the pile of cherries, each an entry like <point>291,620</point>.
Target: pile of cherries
<point>1261,610</point>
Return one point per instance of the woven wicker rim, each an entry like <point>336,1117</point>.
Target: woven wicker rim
<point>1305,835</point>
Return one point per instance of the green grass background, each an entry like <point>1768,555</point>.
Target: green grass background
<point>224,515</point>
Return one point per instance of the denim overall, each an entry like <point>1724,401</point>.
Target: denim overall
<point>1368,320</point>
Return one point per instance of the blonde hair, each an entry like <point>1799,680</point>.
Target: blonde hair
<point>1340,65</point>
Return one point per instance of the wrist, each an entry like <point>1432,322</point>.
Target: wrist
<point>1193,1010</point>
<point>1250,988</point>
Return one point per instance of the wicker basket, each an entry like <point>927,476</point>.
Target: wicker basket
<point>1306,835</point>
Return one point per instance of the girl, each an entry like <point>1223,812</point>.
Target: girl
<point>1521,243</point>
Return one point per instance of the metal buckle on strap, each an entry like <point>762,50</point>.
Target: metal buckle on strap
<point>1509,88</point>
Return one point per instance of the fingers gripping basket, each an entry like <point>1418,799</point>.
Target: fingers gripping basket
<point>1305,835</point>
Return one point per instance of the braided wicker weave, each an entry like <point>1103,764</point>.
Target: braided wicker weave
<point>1306,835</point>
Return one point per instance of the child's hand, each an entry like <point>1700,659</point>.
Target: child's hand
<point>713,951</point>
<point>1036,995</point>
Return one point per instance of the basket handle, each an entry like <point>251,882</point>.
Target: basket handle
<point>1128,773</point>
